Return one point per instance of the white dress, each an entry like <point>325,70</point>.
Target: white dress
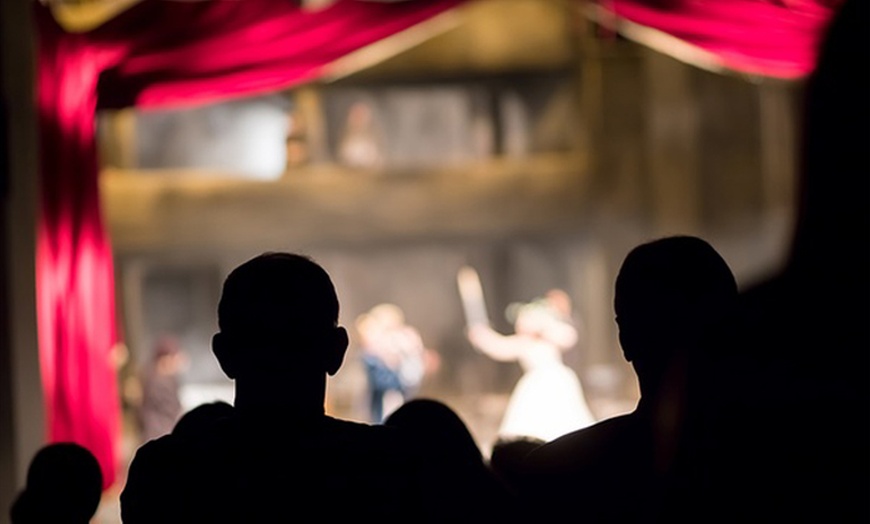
<point>548,400</point>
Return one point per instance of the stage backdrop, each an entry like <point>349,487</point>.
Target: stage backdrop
<point>162,54</point>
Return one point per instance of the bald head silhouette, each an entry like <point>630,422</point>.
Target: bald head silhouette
<point>279,335</point>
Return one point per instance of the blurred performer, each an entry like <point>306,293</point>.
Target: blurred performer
<point>394,357</point>
<point>360,146</point>
<point>161,404</point>
<point>548,400</point>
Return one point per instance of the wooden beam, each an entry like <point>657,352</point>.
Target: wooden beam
<point>331,205</point>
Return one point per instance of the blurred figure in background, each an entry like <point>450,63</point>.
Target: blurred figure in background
<point>360,145</point>
<point>394,357</point>
<point>548,400</point>
<point>161,406</point>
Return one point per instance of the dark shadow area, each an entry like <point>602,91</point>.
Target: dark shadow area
<point>808,326</point>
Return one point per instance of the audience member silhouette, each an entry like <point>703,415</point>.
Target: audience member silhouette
<point>200,420</point>
<point>460,486</point>
<point>507,458</point>
<point>64,486</point>
<point>808,325</point>
<point>278,456</point>
<point>673,297</point>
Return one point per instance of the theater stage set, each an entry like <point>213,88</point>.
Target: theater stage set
<point>151,146</point>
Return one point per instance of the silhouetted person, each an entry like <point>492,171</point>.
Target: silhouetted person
<point>200,420</point>
<point>279,457</point>
<point>64,485</point>
<point>672,296</point>
<point>507,458</point>
<point>809,324</point>
<point>459,485</point>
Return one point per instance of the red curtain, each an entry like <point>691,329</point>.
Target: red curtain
<point>774,38</point>
<point>157,53</point>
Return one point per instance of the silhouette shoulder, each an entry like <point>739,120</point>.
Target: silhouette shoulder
<point>154,474</point>
<point>383,448</point>
<point>580,449</point>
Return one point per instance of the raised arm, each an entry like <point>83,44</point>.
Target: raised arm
<point>504,348</point>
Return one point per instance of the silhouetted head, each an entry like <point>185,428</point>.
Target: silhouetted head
<point>455,481</point>
<point>440,429</point>
<point>669,293</point>
<point>64,485</point>
<point>508,456</point>
<point>278,317</point>
<point>199,420</point>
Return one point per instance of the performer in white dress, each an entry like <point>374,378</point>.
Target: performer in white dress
<point>548,400</point>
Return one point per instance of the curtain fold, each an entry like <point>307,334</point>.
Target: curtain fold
<point>155,54</point>
<point>772,38</point>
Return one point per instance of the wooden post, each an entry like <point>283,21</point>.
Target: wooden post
<point>673,124</point>
<point>22,430</point>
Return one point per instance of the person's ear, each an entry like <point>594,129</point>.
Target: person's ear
<point>626,342</point>
<point>225,354</point>
<point>336,351</point>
